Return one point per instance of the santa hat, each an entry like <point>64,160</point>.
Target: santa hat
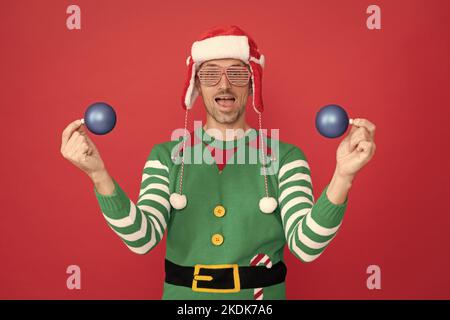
<point>229,42</point>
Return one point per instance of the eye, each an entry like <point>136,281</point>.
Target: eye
<point>209,71</point>
<point>238,71</point>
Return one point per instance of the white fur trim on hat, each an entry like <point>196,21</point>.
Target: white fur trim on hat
<point>221,47</point>
<point>261,61</point>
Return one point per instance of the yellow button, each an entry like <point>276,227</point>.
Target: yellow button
<point>219,211</point>
<point>217,239</point>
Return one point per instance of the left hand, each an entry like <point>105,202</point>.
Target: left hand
<point>356,149</point>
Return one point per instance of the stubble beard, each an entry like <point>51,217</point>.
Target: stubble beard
<point>225,118</point>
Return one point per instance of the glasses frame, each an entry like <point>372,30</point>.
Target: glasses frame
<point>223,70</point>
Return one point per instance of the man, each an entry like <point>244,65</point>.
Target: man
<point>227,223</point>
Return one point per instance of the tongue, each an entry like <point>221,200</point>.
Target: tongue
<point>225,102</point>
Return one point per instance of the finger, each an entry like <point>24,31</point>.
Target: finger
<point>365,147</point>
<point>360,134</point>
<point>84,134</point>
<point>359,122</point>
<point>76,145</point>
<point>69,130</point>
<point>352,130</point>
<point>83,157</point>
<point>72,152</point>
<point>83,151</point>
<point>89,151</point>
<point>69,146</point>
<point>361,131</point>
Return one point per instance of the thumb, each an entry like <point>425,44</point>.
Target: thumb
<point>350,133</point>
<point>353,127</point>
<point>82,128</point>
<point>84,131</point>
<point>348,136</point>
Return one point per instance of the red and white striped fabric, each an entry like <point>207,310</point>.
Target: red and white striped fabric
<point>260,259</point>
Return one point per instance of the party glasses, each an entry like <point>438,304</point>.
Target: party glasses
<point>211,75</point>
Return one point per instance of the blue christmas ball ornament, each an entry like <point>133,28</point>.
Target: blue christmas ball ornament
<point>100,118</point>
<point>332,121</point>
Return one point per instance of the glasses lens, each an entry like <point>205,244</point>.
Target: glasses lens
<point>238,75</point>
<point>209,75</point>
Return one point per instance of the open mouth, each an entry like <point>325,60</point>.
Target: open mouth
<point>225,101</point>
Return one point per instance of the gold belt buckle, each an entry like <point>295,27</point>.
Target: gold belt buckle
<point>199,277</point>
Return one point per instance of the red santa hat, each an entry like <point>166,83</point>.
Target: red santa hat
<point>229,42</point>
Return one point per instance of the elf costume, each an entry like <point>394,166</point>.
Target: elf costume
<point>229,214</point>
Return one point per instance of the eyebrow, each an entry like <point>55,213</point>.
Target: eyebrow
<point>216,65</point>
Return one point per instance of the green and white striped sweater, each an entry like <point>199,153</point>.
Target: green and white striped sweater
<point>307,226</point>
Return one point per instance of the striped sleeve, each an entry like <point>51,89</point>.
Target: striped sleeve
<point>309,225</point>
<point>141,226</point>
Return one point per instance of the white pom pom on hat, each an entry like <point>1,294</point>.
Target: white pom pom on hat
<point>268,204</point>
<point>178,201</point>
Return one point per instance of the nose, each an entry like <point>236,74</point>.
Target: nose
<point>224,83</point>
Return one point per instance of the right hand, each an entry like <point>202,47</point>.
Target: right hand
<point>78,148</point>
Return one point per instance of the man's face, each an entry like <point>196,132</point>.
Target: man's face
<point>224,111</point>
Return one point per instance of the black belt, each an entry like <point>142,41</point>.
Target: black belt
<point>224,278</point>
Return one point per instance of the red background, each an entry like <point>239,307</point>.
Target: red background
<point>132,55</point>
